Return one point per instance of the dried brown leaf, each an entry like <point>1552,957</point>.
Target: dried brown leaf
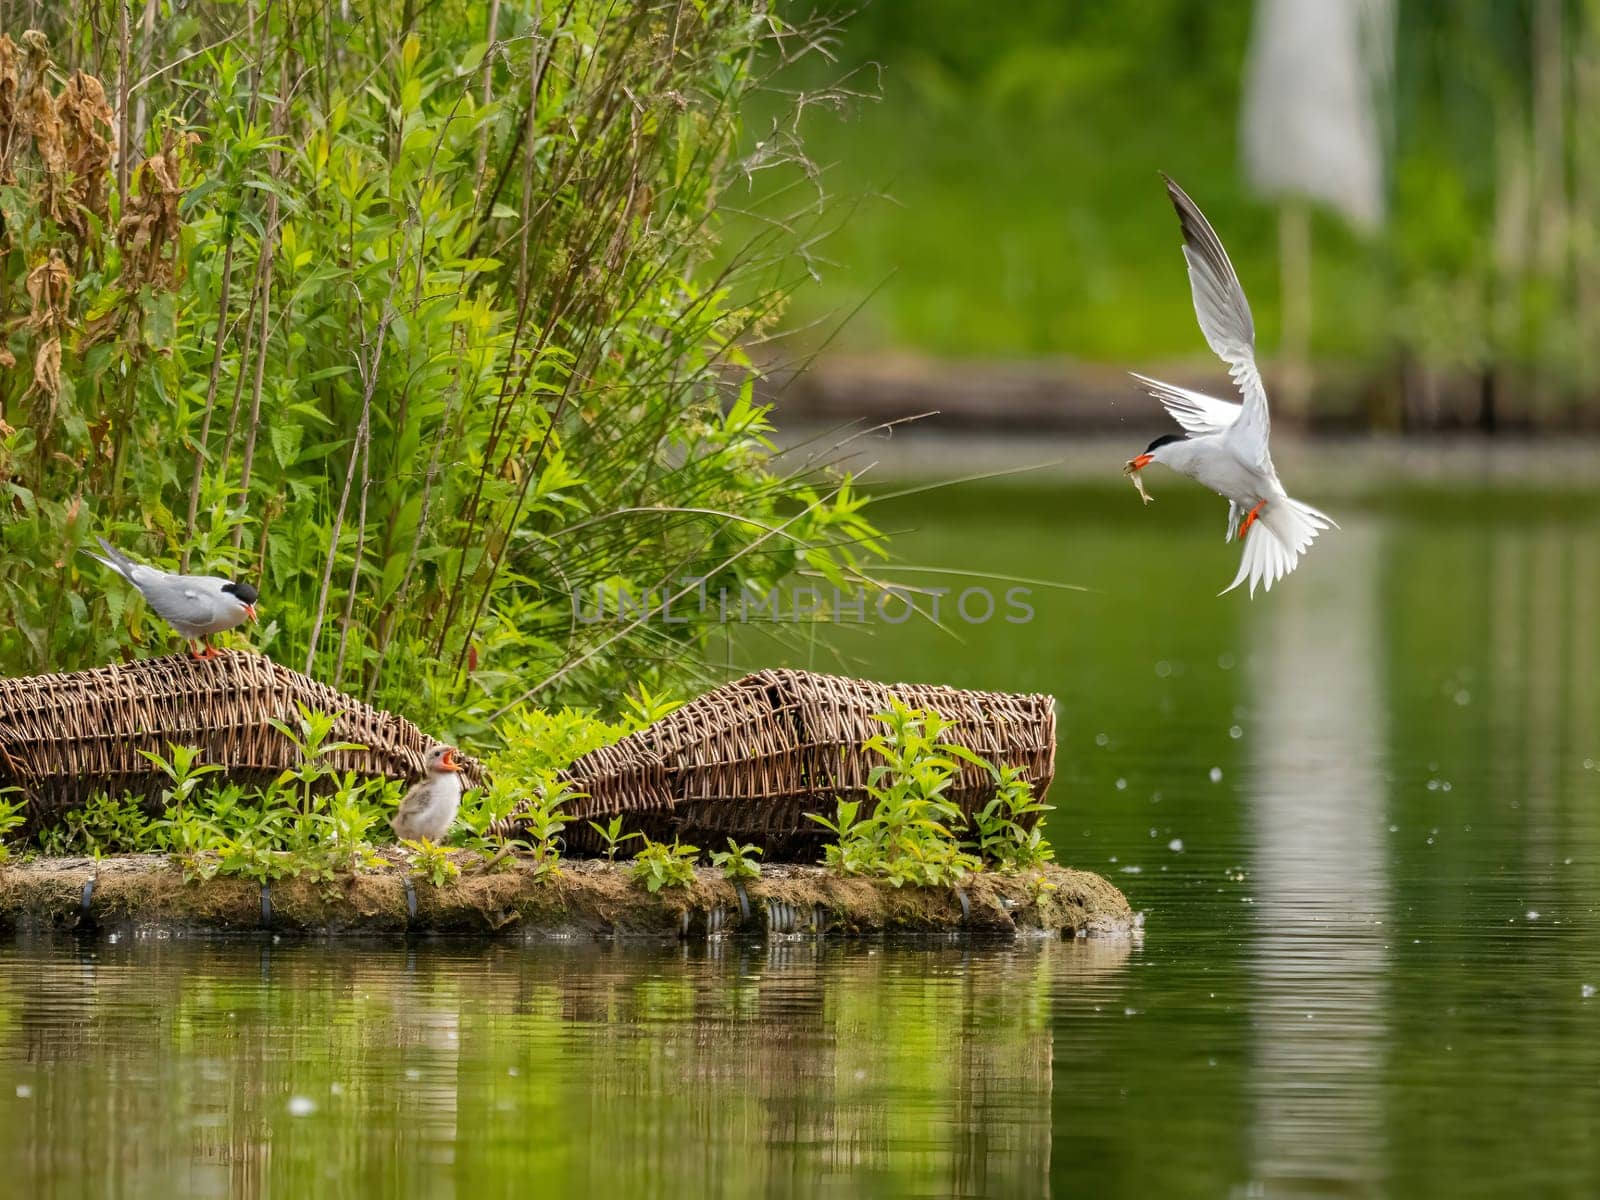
<point>49,287</point>
<point>9,86</point>
<point>149,232</point>
<point>81,111</point>
<point>47,379</point>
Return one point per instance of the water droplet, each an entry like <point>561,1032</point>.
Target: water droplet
<point>1216,774</point>
<point>413,1074</point>
<point>1101,739</point>
<point>1176,845</point>
<point>1122,785</point>
<point>1235,732</point>
<point>24,1091</point>
<point>1133,870</point>
<point>1532,915</point>
<point>1588,994</point>
<point>301,1106</point>
<point>1163,669</point>
<point>1463,697</point>
<point>1225,660</point>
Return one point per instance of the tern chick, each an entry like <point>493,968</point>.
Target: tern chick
<point>429,808</point>
<point>197,606</point>
<point>1224,444</point>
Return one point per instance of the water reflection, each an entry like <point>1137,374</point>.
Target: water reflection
<point>1320,885</point>
<point>218,1070</point>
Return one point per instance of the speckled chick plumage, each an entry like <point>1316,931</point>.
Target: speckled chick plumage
<point>429,808</point>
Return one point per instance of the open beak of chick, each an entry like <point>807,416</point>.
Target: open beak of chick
<point>449,762</point>
<point>1132,468</point>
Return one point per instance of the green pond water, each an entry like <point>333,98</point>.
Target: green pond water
<point>1362,815</point>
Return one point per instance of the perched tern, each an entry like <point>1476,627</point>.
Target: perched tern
<point>197,606</point>
<point>1223,444</point>
<point>429,808</point>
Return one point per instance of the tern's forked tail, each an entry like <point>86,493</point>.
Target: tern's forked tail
<point>1283,531</point>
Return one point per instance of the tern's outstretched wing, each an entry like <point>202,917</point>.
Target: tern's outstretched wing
<point>1224,316</point>
<point>1197,412</point>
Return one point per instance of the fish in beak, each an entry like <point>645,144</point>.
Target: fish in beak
<point>1132,468</point>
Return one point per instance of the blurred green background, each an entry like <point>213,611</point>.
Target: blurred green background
<point>994,194</point>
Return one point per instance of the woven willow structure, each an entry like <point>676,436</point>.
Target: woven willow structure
<point>64,737</point>
<point>752,758</point>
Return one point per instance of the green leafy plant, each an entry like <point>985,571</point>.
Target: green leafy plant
<point>663,864</point>
<point>1002,835</point>
<point>738,862</point>
<point>310,737</point>
<point>13,815</point>
<point>432,862</point>
<point>433,345</point>
<point>909,835</point>
<point>612,837</point>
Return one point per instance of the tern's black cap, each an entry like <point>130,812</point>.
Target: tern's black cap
<point>245,591</point>
<point>1163,440</point>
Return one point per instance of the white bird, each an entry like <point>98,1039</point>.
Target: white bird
<point>430,807</point>
<point>197,606</point>
<point>1224,444</point>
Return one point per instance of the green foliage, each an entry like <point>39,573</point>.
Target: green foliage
<point>103,824</point>
<point>310,737</point>
<point>738,862</point>
<point>1002,834</point>
<point>543,819</point>
<point>424,364</point>
<point>660,865</point>
<point>913,832</point>
<point>13,814</point>
<point>537,744</point>
<point>185,772</point>
<point>432,862</point>
<point>612,837</point>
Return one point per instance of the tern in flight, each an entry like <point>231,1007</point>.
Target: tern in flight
<point>1223,444</point>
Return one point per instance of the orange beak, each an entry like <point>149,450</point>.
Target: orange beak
<point>448,761</point>
<point>1138,463</point>
<point>250,611</point>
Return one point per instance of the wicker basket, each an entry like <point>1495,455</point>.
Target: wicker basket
<point>64,737</point>
<point>752,758</point>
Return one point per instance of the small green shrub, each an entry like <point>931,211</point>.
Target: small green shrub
<point>660,864</point>
<point>13,813</point>
<point>1001,837</point>
<point>913,833</point>
<point>432,862</point>
<point>612,837</point>
<point>738,862</point>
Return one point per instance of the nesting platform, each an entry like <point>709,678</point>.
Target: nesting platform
<point>143,895</point>
<point>749,760</point>
<point>66,736</point>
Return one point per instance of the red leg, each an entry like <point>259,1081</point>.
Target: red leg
<point>189,646</point>
<point>211,651</point>
<point>1250,518</point>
